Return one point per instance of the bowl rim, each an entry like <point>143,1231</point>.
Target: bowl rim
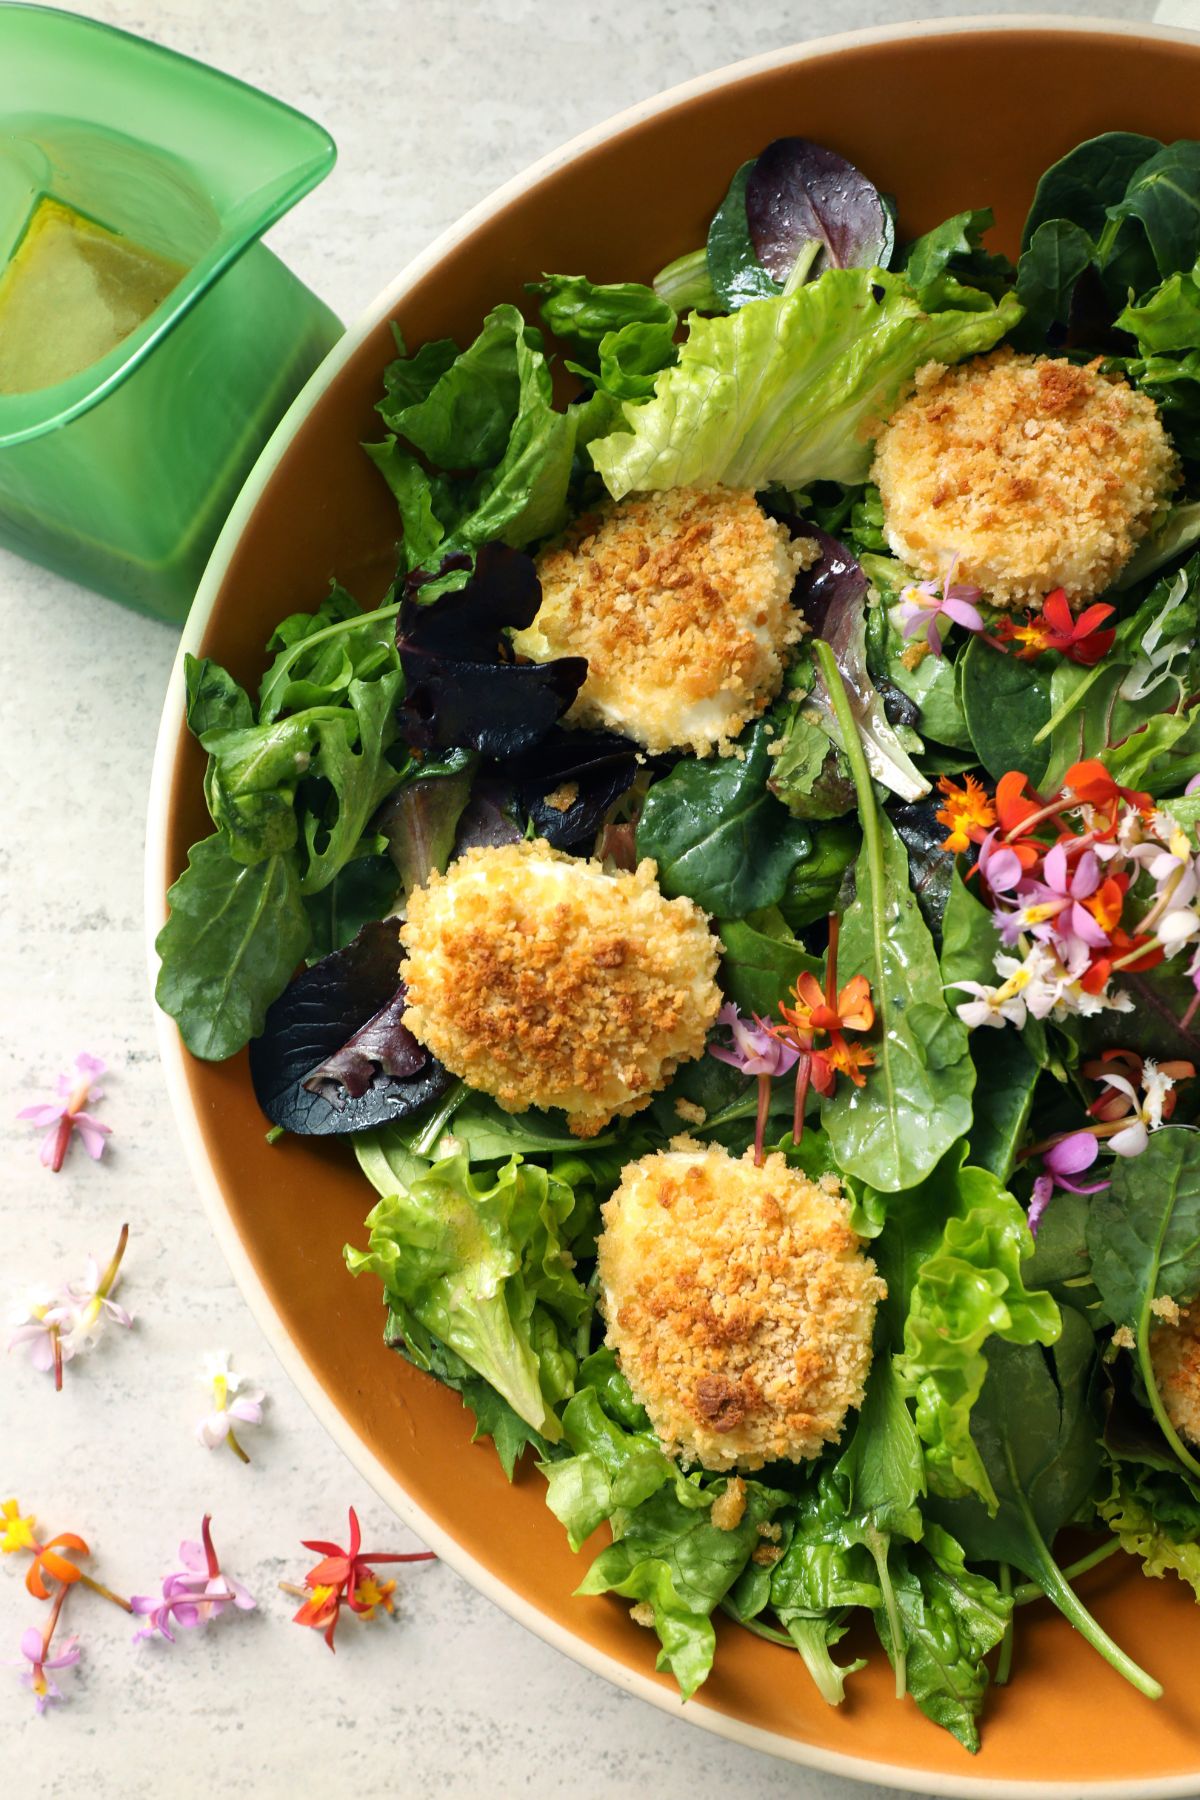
<point>173,1054</point>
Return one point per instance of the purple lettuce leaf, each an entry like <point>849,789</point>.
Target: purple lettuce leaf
<point>335,1055</point>
<point>805,200</point>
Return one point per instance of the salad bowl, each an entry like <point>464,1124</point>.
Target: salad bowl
<point>961,115</point>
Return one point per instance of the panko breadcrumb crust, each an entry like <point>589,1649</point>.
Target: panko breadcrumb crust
<point>680,601</point>
<point>738,1302</point>
<point>1037,474</point>
<point>1175,1358</point>
<point>543,980</point>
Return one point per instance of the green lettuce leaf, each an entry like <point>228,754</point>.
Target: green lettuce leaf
<point>1146,1537</point>
<point>788,389</point>
<point>613,1468</point>
<point>478,1259</point>
<point>969,1290</point>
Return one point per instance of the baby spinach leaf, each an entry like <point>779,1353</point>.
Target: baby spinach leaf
<point>1058,253</point>
<point>1005,702</point>
<point>463,420</point>
<point>611,1469</point>
<point>233,937</point>
<point>762,961</point>
<point>1036,1426</point>
<point>814,884</point>
<point>950,1618</point>
<point>1092,177</point>
<point>1163,195</point>
<point>1143,1234</point>
<point>718,835</point>
<point>896,1128</point>
<point>672,1556</point>
<point>733,266</point>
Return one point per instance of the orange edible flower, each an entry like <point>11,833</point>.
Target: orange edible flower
<point>968,814</point>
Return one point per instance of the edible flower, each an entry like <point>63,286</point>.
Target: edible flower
<point>191,1596</point>
<point>826,1012</point>
<point>924,603</point>
<point>59,1324</point>
<point>343,1576</point>
<point>755,1051</point>
<point>1064,1159</point>
<point>20,1533</point>
<point>231,1403</point>
<point>1080,640</point>
<point>1138,1101</point>
<point>62,1118</point>
<point>35,1650</point>
<point>967,813</point>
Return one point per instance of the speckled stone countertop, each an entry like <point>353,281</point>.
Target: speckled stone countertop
<point>432,104</point>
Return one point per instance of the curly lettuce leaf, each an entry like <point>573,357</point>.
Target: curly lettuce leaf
<point>613,1469</point>
<point>1143,1535</point>
<point>478,1258</point>
<point>969,1290</point>
<point>789,389</point>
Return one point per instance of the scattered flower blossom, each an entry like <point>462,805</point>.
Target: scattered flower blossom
<point>35,1650</point>
<point>1079,640</point>
<point>1064,1159</point>
<point>232,1404</point>
<point>924,604</point>
<point>1193,786</point>
<point>966,812</point>
<point>819,1012</point>
<point>191,1596</point>
<point>344,1576</point>
<point>755,1051</point>
<point>20,1533</point>
<point>57,1324</point>
<point>60,1119</point>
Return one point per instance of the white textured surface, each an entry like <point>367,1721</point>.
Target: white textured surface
<point>432,104</point>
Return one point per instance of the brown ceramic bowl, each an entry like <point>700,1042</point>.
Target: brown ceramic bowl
<point>947,117</point>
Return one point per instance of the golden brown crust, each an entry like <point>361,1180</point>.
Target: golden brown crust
<point>680,602</point>
<point>544,980</point>
<point>1175,1357</point>
<point>739,1304</point>
<point>1035,473</point>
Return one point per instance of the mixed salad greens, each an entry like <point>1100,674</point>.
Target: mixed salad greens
<point>922,778</point>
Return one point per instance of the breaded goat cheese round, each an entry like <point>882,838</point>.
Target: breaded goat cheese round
<point>543,980</point>
<point>1175,1358</point>
<point>681,603</point>
<point>1034,473</point>
<point>738,1302</point>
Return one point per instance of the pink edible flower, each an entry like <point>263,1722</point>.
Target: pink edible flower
<point>233,1403</point>
<point>923,603</point>
<point>1070,1156</point>
<point>35,1650</point>
<point>59,1119</point>
<point>755,1051</point>
<point>193,1595</point>
<point>999,865</point>
<point>58,1324</point>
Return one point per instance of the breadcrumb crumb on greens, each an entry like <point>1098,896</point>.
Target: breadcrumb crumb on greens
<point>1175,1357</point>
<point>681,603</point>
<point>738,1302</point>
<point>1036,473</point>
<point>545,980</point>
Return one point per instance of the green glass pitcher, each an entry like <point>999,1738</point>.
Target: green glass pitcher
<point>148,342</point>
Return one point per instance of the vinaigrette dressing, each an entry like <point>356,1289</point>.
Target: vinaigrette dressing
<point>70,294</point>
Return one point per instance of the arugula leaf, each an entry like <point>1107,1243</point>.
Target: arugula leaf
<point>673,1556</point>
<point>1143,1234</point>
<point>214,699</point>
<point>718,835</point>
<point>950,1618</point>
<point>1035,1424</point>
<point>968,1289</point>
<point>786,390</point>
<point>917,1097</point>
<point>233,937</point>
<point>479,1260</point>
<point>316,655</point>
